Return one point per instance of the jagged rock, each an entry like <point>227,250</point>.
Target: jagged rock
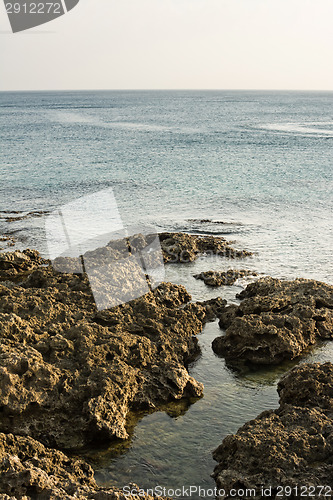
<point>208,310</point>
<point>308,385</point>
<point>223,278</point>
<point>277,320</point>
<point>176,247</point>
<point>183,247</point>
<point>125,268</point>
<point>288,447</point>
<point>29,470</point>
<point>14,263</point>
<point>70,374</point>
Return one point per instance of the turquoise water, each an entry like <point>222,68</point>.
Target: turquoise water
<point>257,164</point>
<point>259,159</point>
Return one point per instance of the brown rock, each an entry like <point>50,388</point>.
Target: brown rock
<point>208,310</point>
<point>277,320</point>
<point>14,263</point>
<point>223,278</point>
<point>316,383</point>
<point>183,247</point>
<point>288,447</point>
<point>70,374</point>
<point>29,470</point>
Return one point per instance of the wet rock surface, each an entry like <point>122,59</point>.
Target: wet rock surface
<point>62,361</point>
<point>126,268</point>
<point>71,374</point>
<point>223,278</point>
<point>208,310</point>
<point>183,247</point>
<point>291,447</point>
<point>9,216</point>
<point>29,470</point>
<point>277,320</point>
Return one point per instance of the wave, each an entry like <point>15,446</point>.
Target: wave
<point>306,129</point>
<point>17,215</point>
<point>80,118</point>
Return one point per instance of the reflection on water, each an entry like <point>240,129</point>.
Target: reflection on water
<point>172,448</point>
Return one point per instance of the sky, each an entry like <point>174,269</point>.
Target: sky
<point>174,44</point>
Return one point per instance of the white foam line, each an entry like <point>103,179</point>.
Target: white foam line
<point>296,128</point>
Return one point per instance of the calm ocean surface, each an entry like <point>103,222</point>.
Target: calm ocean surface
<point>257,164</point>
<point>260,160</point>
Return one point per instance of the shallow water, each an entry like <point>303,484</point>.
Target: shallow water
<point>255,167</point>
<point>175,451</point>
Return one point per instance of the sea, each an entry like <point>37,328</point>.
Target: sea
<point>254,167</point>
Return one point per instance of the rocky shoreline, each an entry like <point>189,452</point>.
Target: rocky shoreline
<point>30,470</point>
<point>71,374</point>
<point>224,278</point>
<point>276,321</point>
<point>286,452</point>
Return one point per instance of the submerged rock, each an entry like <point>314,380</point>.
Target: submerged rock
<point>277,320</point>
<point>183,247</point>
<point>29,470</point>
<point>70,374</point>
<point>223,278</point>
<point>9,241</point>
<point>288,451</point>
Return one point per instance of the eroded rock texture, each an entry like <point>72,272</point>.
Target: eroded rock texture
<point>70,375</point>
<point>183,247</point>
<point>175,248</point>
<point>28,470</point>
<point>223,278</point>
<point>288,447</point>
<point>14,263</point>
<point>277,320</point>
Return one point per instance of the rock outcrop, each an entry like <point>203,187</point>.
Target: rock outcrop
<point>183,247</point>
<point>16,263</point>
<point>69,374</point>
<point>288,451</point>
<point>223,278</point>
<point>176,247</point>
<point>29,470</point>
<point>277,320</point>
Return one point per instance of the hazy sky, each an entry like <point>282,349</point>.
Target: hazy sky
<point>174,44</point>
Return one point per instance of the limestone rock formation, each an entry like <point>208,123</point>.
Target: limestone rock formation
<point>62,362</point>
<point>223,278</point>
<point>14,263</point>
<point>277,320</point>
<point>29,470</point>
<point>289,450</point>
<point>183,247</point>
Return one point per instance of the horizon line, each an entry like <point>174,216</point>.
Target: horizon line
<point>167,90</point>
